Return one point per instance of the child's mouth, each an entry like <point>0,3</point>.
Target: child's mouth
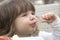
<point>33,24</point>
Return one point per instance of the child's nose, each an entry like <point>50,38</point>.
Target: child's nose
<point>33,17</point>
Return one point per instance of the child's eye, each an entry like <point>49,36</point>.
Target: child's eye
<point>24,15</point>
<point>33,13</point>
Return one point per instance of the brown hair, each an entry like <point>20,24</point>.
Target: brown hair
<point>9,11</point>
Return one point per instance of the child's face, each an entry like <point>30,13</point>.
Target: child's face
<point>26,23</point>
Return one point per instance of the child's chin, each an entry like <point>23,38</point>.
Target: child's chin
<point>32,30</point>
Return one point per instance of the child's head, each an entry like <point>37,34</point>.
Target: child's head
<point>18,15</point>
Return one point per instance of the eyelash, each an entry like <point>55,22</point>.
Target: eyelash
<point>24,15</point>
<point>33,13</point>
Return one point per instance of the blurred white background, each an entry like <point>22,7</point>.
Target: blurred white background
<point>42,9</point>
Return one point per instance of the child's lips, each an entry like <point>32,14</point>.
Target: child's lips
<point>33,24</point>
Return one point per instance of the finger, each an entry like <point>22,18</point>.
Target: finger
<point>43,16</point>
<point>44,21</point>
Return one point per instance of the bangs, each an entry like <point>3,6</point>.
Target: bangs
<point>25,6</point>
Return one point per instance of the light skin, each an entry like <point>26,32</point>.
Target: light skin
<point>49,17</point>
<point>25,23</point>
